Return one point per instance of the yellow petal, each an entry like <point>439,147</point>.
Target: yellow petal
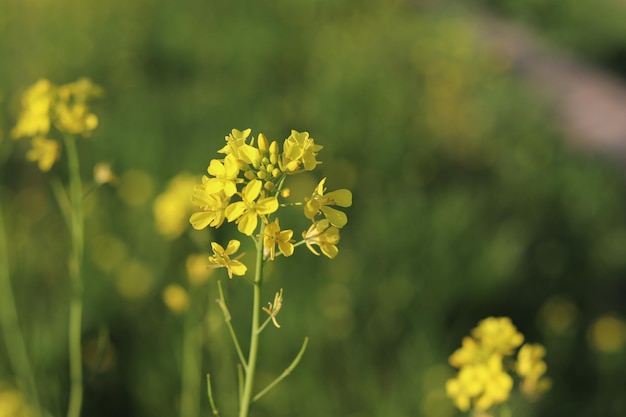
<point>340,197</point>
<point>335,217</point>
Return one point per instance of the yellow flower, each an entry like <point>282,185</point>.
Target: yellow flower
<point>211,204</point>
<point>464,387</point>
<point>299,149</point>
<point>35,117</point>
<point>247,211</point>
<point>44,151</point>
<point>275,307</point>
<point>272,235</point>
<point>320,202</point>
<point>498,334</point>
<point>176,298</point>
<point>497,383</point>
<point>71,112</point>
<point>325,236</point>
<point>531,367</point>
<point>470,353</point>
<point>225,176</point>
<point>221,258</point>
<point>236,145</point>
<point>75,118</point>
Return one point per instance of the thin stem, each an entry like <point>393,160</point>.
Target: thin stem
<point>265,323</point>
<point>190,376</point>
<point>285,373</point>
<point>214,409</point>
<point>222,303</point>
<point>13,337</point>
<point>244,406</point>
<point>75,271</point>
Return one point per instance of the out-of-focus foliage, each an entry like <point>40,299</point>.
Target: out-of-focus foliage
<point>467,203</point>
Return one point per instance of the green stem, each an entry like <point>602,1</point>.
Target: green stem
<point>285,373</point>
<point>13,337</point>
<point>227,318</point>
<point>246,398</point>
<point>190,386</point>
<point>75,271</point>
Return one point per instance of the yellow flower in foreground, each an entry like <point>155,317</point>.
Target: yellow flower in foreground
<point>324,235</point>
<point>499,334</point>
<point>272,235</point>
<point>320,202</point>
<point>247,211</point>
<point>211,204</point>
<point>225,174</point>
<point>221,258</point>
<point>44,151</point>
<point>35,117</point>
<point>299,149</point>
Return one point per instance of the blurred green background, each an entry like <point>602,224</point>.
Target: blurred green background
<point>468,200</point>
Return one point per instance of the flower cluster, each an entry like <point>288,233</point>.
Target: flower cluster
<point>483,380</point>
<point>44,105</point>
<point>246,187</point>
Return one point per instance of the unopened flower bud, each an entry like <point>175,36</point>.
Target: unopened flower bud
<point>285,193</point>
<point>263,144</point>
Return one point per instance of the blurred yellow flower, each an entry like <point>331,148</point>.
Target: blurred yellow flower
<point>531,367</point>
<point>12,404</point>
<point>325,236</point>
<point>320,202</point>
<point>246,212</point>
<point>176,298</point>
<point>482,381</point>
<point>221,258</point>
<point>197,271</point>
<point>103,174</point>
<point>499,334</point>
<point>44,151</point>
<point>75,118</point>
<point>172,207</point>
<point>272,236</point>
<point>36,104</point>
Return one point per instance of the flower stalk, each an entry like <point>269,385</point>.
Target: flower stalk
<point>76,281</point>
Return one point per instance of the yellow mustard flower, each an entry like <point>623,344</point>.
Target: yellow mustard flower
<point>499,334</point>
<point>79,91</point>
<point>300,149</point>
<point>36,104</point>
<point>497,383</point>
<point>531,368</point>
<point>275,307</point>
<point>221,258</point>
<point>325,236</point>
<point>247,211</point>
<point>44,151</point>
<point>465,387</point>
<point>75,118</point>
<point>211,204</point>
<point>320,202</point>
<point>469,353</point>
<point>225,174</point>
<point>272,236</point>
<point>237,146</point>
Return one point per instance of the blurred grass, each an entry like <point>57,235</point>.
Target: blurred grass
<point>467,203</point>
